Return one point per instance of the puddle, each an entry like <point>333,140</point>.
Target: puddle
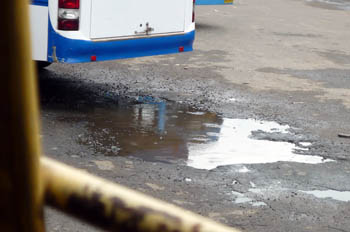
<point>243,169</point>
<point>323,194</point>
<point>154,132</point>
<point>159,131</point>
<point>234,145</point>
<point>336,195</point>
<point>330,4</point>
<point>242,199</point>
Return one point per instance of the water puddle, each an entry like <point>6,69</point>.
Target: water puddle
<point>333,194</point>
<point>323,194</point>
<point>242,199</point>
<point>159,131</point>
<point>234,144</point>
<point>330,4</point>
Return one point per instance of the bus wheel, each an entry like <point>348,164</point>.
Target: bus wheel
<point>42,64</point>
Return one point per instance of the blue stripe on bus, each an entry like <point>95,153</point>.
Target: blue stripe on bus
<point>40,2</point>
<point>67,50</point>
<point>213,2</point>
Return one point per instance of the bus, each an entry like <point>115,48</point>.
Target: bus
<point>214,2</point>
<point>75,31</point>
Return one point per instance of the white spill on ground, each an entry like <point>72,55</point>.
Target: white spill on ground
<point>232,144</point>
<point>333,194</point>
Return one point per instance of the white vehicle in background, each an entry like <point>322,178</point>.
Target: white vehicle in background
<point>73,31</point>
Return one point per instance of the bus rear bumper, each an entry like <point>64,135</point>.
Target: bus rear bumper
<point>66,50</point>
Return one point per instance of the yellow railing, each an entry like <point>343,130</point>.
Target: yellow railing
<point>28,181</point>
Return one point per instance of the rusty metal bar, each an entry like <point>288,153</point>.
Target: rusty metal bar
<point>116,208</point>
<point>21,190</point>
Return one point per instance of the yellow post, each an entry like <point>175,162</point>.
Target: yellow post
<point>21,191</point>
<point>114,207</point>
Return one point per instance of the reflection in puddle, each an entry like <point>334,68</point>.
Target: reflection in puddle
<point>336,195</point>
<point>166,132</point>
<point>234,145</point>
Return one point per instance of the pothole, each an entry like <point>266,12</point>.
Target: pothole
<point>166,132</point>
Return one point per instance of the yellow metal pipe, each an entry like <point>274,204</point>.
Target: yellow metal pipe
<point>21,190</point>
<point>114,207</point>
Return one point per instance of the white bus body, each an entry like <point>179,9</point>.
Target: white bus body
<point>73,31</point>
<point>214,2</point>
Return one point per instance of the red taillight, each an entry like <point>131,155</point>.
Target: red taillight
<point>69,4</point>
<point>193,11</point>
<point>68,25</point>
<point>68,15</point>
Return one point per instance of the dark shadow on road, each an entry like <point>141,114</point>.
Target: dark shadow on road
<point>67,92</point>
<point>207,27</point>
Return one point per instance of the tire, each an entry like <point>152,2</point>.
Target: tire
<point>42,64</point>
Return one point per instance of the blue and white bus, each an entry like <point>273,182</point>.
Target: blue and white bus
<point>214,2</point>
<point>73,31</point>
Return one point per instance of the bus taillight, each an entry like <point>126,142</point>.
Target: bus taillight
<point>68,15</point>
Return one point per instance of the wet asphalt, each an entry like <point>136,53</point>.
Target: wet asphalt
<point>170,126</point>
